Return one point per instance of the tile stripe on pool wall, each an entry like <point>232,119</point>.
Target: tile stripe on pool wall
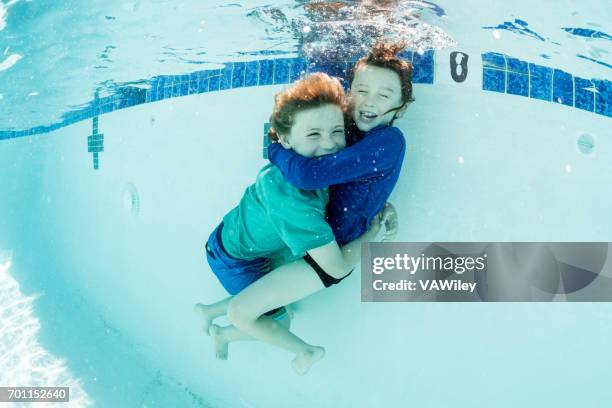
<point>233,75</point>
<point>504,74</point>
<point>501,73</point>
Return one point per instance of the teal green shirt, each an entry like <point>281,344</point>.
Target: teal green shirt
<point>276,220</point>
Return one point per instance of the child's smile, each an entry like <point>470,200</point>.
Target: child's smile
<point>366,116</point>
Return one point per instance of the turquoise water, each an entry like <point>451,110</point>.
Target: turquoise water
<point>101,267</point>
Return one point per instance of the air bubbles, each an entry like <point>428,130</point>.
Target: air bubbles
<point>496,34</point>
<point>342,32</point>
<point>568,168</point>
<point>460,160</point>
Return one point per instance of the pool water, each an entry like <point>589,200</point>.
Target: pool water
<point>128,129</point>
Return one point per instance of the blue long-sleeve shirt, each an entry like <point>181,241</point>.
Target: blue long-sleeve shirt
<point>360,178</point>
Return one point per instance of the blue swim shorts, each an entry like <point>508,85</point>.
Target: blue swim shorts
<point>234,274</point>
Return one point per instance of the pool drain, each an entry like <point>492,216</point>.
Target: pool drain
<point>586,143</point>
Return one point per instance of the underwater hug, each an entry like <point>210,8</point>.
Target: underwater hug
<point>335,159</point>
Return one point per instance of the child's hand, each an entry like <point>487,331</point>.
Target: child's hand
<point>389,219</point>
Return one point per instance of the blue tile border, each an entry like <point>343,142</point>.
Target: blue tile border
<point>603,99</point>
<point>266,72</point>
<point>563,88</point>
<point>281,71</point>
<point>494,80</point>
<point>232,75</point>
<point>298,67</point>
<point>251,76</point>
<point>266,140</point>
<point>585,97</point>
<point>238,75</point>
<point>494,60</point>
<point>541,82</point>
<point>501,73</point>
<point>423,67</point>
<point>504,74</point>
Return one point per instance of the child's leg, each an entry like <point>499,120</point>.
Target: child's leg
<point>233,283</point>
<point>282,286</point>
<point>222,336</point>
<point>210,312</point>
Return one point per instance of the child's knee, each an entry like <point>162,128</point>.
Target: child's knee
<point>239,313</point>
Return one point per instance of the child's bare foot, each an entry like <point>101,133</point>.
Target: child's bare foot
<point>219,342</point>
<point>203,311</point>
<point>302,362</point>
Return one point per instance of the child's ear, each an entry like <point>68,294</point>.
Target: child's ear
<point>282,139</point>
<point>401,112</point>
